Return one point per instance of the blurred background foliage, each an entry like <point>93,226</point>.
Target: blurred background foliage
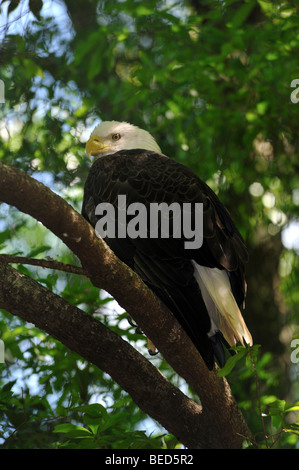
<point>212,81</point>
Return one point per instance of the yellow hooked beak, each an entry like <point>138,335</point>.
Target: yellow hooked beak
<point>94,146</point>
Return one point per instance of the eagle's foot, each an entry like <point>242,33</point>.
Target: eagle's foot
<point>153,351</point>
<point>134,325</point>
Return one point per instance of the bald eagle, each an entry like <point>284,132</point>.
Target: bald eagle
<point>203,287</point>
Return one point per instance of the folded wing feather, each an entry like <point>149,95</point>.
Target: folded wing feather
<point>221,305</point>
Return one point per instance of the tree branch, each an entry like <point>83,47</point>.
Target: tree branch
<point>226,426</point>
<point>24,297</point>
<point>44,263</point>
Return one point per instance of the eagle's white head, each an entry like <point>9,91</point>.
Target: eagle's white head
<point>112,136</point>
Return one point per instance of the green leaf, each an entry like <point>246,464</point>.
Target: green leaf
<point>38,250</point>
<point>292,408</point>
<point>142,10</point>
<point>277,407</point>
<point>294,428</point>
<point>5,235</point>
<point>13,4</point>
<point>94,409</point>
<point>276,421</point>
<point>262,107</point>
<point>72,430</point>
<point>241,14</point>
<point>231,362</point>
<point>35,7</point>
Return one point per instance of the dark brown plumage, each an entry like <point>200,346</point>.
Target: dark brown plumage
<point>164,264</point>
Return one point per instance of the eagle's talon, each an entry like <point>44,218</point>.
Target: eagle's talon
<point>138,331</point>
<point>153,353</point>
<point>151,348</point>
<point>131,322</point>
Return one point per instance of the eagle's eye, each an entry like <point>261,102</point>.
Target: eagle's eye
<point>115,137</point>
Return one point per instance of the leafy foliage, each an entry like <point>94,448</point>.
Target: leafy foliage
<point>275,414</point>
<point>212,82</point>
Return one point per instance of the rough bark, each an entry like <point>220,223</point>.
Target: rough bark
<point>218,424</point>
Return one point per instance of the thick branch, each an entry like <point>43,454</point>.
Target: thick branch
<point>152,392</point>
<point>108,272</point>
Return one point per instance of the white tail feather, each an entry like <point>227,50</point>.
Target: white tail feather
<point>221,305</point>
